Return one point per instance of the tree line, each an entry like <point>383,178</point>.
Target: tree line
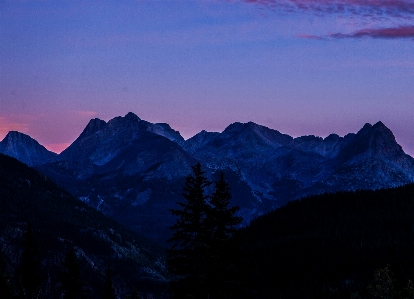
<point>27,282</point>
<point>344,245</point>
<point>203,253</point>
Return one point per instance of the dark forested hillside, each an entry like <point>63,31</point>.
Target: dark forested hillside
<point>60,222</point>
<point>330,246</point>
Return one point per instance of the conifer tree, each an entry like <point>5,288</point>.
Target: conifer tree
<point>203,251</point>
<point>223,222</point>
<point>187,257</point>
<point>222,216</point>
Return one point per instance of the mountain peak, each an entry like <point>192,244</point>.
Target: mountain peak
<point>367,126</point>
<point>380,126</point>
<point>373,140</point>
<point>13,135</point>
<point>24,148</point>
<point>132,117</point>
<point>128,119</point>
<point>93,126</point>
<point>233,128</point>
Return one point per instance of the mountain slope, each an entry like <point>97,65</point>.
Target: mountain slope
<point>60,222</point>
<point>134,171</point>
<point>279,168</point>
<point>25,149</point>
<point>101,141</point>
<point>372,159</point>
<point>127,168</point>
<point>329,246</point>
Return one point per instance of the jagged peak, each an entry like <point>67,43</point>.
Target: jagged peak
<point>96,123</point>
<point>14,134</point>
<point>252,124</point>
<point>238,126</point>
<point>202,134</point>
<point>24,148</point>
<point>128,118</point>
<point>234,127</point>
<point>366,128</point>
<point>332,137</point>
<point>375,140</point>
<point>378,127</point>
<point>15,138</point>
<point>308,138</point>
<point>381,126</point>
<point>93,126</point>
<point>132,117</point>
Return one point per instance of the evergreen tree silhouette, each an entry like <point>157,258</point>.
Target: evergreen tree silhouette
<point>203,253</point>
<point>188,255</point>
<point>223,222</point>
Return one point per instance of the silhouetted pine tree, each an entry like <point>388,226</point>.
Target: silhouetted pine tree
<point>188,256</point>
<point>108,289</point>
<point>29,271</point>
<point>72,284</point>
<point>223,221</point>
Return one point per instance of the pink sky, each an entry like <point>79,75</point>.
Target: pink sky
<point>300,67</point>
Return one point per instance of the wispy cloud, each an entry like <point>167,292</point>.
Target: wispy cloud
<point>392,8</point>
<point>310,36</point>
<point>386,33</point>
<point>396,32</point>
<point>394,18</point>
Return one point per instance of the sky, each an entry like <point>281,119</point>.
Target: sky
<point>302,67</point>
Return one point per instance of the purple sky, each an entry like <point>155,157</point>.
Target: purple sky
<point>300,67</point>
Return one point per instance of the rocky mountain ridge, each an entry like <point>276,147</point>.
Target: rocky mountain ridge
<point>133,170</point>
<point>25,149</point>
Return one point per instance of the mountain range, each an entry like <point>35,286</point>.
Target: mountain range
<point>133,170</point>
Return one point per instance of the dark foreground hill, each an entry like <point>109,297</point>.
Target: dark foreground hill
<point>330,246</point>
<point>60,222</point>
